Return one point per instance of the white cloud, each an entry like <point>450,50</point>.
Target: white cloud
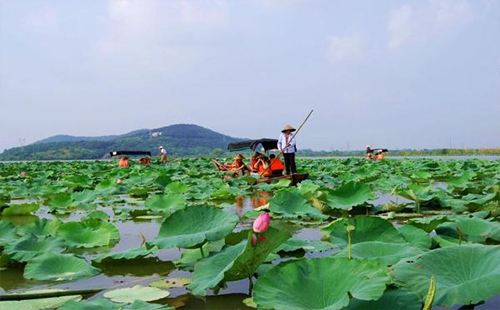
<point>154,35</point>
<point>411,24</point>
<point>402,27</point>
<point>278,4</point>
<point>43,20</point>
<point>344,48</point>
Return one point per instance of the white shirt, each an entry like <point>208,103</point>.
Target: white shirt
<point>282,142</point>
<point>163,151</point>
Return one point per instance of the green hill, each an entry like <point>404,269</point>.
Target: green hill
<point>179,140</point>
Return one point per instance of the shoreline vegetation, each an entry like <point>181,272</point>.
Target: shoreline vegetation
<point>70,155</point>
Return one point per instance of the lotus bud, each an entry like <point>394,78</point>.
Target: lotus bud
<point>254,240</point>
<point>24,173</point>
<point>262,238</point>
<point>118,181</point>
<point>261,223</point>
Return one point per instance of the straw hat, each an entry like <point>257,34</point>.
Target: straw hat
<point>239,156</point>
<point>161,146</point>
<point>368,146</point>
<point>288,128</point>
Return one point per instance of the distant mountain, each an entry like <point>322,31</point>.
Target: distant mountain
<point>66,138</point>
<point>179,140</point>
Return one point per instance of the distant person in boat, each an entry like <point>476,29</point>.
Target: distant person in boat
<point>369,152</point>
<point>237,166</point>
<point>287,146</point>
<point>163,154</point>
<point>145,161</point>
<point>123,163</point>
<point>379,155</point>
<point>276,165</point>
<point>262,166</point>
<point>253,162</point>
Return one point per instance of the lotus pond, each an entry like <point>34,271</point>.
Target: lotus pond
<point>393,234</point>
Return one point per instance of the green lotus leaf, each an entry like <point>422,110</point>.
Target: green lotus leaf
<point>478,230</point>
<point>466,274</point>
<point>194,225</point>
<point>288,203</point>
<point>350,195</point>
<point>38,304</point>
<point>416,236</point>
<point>393,299</point>
<point>77,235</point>
<point>308,189</point>
<point>58,267</point>
<point>41,228</point>
<point>60,201</point>
<point>319,283</point>
<point>20,209</point>
<point>138,292</point>
<point>7,232</point>
<point>104,304</point>
<point>234,262</point>
<point>429,223</point>
<point>170,283</point>
<point>294,244</point>
<point>176,187</point>
<point>84,197</point>
<point>96,215</point>
<point>131,253</point>
<point>366,228</point>
<point>386,253</point>
<point>190,256</point>
<point>170,203</point>
<point>30,247</point>
<point>99,224</point>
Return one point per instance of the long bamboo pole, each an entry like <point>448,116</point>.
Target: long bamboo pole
<point>294,135</point>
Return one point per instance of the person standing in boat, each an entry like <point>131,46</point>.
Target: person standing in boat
<point>287,146</point>
<point>163,154</point>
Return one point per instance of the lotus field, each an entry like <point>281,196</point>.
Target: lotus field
<point>394,234</point>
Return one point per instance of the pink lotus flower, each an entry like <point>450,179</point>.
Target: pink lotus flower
<point>24,173</point>
<point>261,223</point>
<point>118,181</point>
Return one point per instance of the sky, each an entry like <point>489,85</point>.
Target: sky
<point>390,73</point>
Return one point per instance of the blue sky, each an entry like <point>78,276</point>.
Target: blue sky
<point>394,74</point>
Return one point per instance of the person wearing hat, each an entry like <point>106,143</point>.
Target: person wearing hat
<point>287,146</point>
<point>369,152</point>
<point>163,154</point>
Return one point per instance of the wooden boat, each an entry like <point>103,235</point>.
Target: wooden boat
<point>295,178</point>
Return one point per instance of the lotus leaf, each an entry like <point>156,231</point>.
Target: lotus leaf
<point>386,253</point>
<point>58,267</point>
<point>104,304</point>
<point>138,292</point>
<point>416,236</point>
<point>29,247</point>
<point>234,262</point>
<point>60,201</point>
<point>170,203</point>
<point>294,244</point>
<point>194,225</point>
<point>170,283</point>
<point>20,209</point>
<point>289,203</point>
<point>7,232</point>
<point>38,304</point>
<point>350,195</point>
<point>393,299</point>
<point>176,187</point>
<point>77,235</point>
<point>367,228</point>
<point>41,228</point>
<point>319,283</point>
<point>466,274</point>
<point>131,253</point>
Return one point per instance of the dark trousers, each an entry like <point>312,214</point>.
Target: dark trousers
<point>290,163</point>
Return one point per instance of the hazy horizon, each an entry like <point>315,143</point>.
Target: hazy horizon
<point>394,74</point>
